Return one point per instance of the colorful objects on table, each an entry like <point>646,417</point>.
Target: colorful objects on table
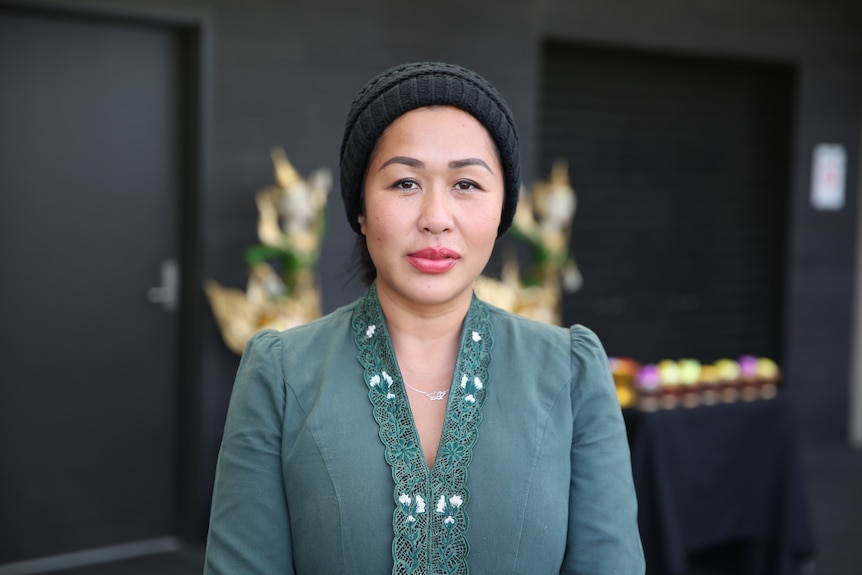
<point>688,383</point>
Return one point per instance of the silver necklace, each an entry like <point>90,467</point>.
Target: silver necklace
<point>432,395</point>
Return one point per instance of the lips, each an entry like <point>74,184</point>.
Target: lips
<point>434,260</point>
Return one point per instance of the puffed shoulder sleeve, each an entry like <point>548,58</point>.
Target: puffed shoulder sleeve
<point>249,531</point>
<point>603,532</point>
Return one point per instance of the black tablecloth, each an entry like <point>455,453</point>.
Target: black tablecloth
<point>717,475</point>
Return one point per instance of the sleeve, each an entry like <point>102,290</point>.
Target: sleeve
<point>249,531</point>
<point>603,534</point>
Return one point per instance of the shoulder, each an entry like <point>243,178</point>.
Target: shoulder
<point>297,366</point>
<point>553,357</point>
<point>310,343</point>
<point>529,350</point>
<point>577,341</point>
<point>339,318</point>
<point>511,325</point>
<point>308,333</point>
<point>587,349</point>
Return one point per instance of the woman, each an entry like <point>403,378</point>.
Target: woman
<point>419,430</point>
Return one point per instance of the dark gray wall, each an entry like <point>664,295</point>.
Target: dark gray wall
<point>283,73</point>
<point>823,40</point>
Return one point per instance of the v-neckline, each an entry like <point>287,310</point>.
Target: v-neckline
<point>423,534</point>
<point>409,406</point>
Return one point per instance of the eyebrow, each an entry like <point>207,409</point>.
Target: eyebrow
<point>453,165</point>
<point>469,162</point>
<point>412,162</point>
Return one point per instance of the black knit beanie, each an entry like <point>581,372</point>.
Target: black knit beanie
<point>407,87</point>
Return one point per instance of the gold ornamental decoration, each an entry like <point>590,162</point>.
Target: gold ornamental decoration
<point>544,222</point>
<point>282,289</point>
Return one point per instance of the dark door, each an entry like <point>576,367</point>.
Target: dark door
<point>90,190</point>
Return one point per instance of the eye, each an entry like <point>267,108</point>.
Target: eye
<point>466,186</point>
<point>405,185</point>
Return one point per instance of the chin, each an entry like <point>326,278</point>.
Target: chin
<point>435,290</point>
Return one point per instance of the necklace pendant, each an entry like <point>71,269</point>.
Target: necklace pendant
<point>435,395</point>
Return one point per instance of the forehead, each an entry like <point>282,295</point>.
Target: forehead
<point>435,114</point>
<point>445,127</point>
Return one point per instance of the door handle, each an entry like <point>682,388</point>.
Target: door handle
<point>167,294</point>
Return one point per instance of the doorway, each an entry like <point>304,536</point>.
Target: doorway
<point>94,176</point>
<point>681,164</point>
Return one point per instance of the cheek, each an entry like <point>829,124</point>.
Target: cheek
<point>487,230</point>
<point>493,216</point>
<point>381,218</point>
<point>482,231</point>
<point>375,228</point>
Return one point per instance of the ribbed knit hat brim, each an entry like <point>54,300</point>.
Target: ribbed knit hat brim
<point>407,87</point>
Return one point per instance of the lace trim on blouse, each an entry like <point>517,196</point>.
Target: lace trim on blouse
<point>429,522</point>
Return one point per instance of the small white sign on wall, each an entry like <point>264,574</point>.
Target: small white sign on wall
<point>827,176</point>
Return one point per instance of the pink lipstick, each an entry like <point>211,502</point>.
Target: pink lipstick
<point>433,260</point>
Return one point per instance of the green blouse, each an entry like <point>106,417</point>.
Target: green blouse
<point>321,470</point>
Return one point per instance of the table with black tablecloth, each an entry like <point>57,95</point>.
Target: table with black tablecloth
<point>724,477</point>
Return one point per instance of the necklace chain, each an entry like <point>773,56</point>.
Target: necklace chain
<point>432,395</point>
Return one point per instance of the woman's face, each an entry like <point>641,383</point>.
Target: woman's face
<point>433,202</point>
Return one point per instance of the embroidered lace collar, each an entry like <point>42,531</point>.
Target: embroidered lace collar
<point>429,522</point>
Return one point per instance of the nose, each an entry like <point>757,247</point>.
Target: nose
<point>436,215</point>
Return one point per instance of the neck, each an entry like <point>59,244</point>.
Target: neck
<point>425,337</point>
